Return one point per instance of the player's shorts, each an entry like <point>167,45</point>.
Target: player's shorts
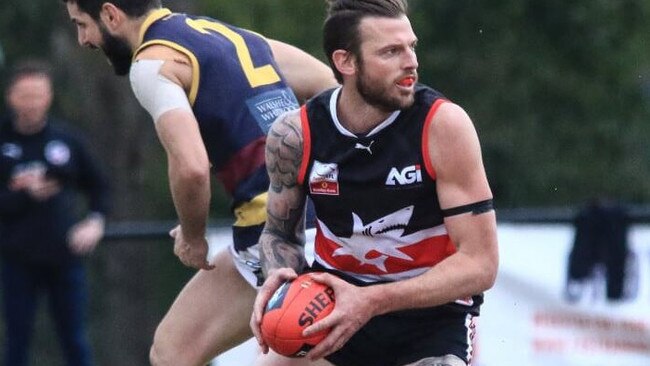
<point>404,337</point>
<point>247,261</point>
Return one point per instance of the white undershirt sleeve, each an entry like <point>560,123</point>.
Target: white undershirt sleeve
<point>156,93</point>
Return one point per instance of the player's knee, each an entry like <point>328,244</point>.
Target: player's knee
<point>171,351</point>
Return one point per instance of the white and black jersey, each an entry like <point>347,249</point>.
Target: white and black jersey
<point>375,195</point>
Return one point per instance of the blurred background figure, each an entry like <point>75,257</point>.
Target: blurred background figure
<point>45,229</point>
<point>2,55</point>
<point>600,249</point>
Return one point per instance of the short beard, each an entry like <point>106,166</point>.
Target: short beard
<point>377,95</point>
<point>118,52</point>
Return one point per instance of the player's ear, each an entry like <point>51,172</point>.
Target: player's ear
<point>345,62</point>
<point>111,16</point>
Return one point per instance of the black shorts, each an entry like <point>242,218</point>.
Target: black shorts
<point>404,337</point>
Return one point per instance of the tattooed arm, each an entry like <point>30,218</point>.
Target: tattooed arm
<point>283,239</point>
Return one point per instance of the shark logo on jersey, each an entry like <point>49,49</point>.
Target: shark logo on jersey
<point>384,236</point>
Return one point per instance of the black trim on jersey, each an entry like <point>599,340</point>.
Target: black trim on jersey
<point>475,208</point>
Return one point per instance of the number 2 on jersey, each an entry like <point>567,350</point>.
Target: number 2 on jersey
<point>257,76</point>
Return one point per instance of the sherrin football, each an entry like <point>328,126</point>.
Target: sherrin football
<point>294,306</point>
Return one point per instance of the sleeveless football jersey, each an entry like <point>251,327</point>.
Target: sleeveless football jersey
<point>230,65</point>
<point>375,196</point>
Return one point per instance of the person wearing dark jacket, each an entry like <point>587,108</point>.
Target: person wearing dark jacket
<point>600,243</point>
<point>43,236</point>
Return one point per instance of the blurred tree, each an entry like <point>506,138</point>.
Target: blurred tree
<point>292,21</point>
<point>555,89</point>
<point>2,56</point>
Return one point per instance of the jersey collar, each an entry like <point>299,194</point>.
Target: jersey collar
<point>344,131</point>
<point>151,18</point>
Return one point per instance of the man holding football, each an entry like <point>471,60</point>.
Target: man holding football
<point>406,225</point>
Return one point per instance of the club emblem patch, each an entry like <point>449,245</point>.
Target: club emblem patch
<point>324,178</point>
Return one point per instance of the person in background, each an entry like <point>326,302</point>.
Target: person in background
<point>43,170</point>
<point>212,90</point>
<point>406,226</point>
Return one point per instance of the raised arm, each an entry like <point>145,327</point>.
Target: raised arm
<point>306,75</point>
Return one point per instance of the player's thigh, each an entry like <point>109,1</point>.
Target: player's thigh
<point>274,359</point>
<point>448,360</point>
<point>212,311</point>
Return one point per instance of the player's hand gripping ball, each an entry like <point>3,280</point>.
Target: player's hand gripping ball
<point>294,306</point>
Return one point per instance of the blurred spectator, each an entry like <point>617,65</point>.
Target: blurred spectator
<point>601,229</point>
<point>2,56</point>
<point>42,169</point>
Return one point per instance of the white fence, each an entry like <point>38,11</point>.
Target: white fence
<point>526,319</point>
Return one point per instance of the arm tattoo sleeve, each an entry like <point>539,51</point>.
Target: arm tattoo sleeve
<point>284,153</point>
<point>283,238</point>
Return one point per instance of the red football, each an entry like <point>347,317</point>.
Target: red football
<point>294,306</point>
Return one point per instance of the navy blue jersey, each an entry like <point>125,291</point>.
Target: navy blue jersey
<point>37,231</point>
<point>236,93</point>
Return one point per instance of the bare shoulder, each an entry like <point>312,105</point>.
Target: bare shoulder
<point>451,119</point>
<point>286,130</point>
<point>284,144</point>
<point>455,153</point>
<point>451,130</point>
